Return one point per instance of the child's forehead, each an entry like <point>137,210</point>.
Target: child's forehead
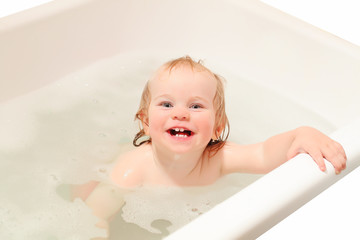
<point>183,82</point>
<point>182,72</point>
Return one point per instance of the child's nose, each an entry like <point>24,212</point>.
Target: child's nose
<point>180,113</point>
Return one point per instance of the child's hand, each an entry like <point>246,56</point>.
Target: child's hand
<point>318,146</point>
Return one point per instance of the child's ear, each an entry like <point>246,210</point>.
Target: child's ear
<point>217,133</point>
<point>145,124</point>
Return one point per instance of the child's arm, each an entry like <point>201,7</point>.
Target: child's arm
<point>264,157</point>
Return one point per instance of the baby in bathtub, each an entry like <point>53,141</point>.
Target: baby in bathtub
<point>183,137</point>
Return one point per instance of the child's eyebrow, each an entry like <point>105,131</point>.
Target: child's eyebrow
<point>196,98</point>
<point>167,96</point>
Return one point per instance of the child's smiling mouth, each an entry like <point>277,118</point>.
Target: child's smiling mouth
<point>180,132</point>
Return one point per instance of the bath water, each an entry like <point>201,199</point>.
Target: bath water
<point>70,132</point>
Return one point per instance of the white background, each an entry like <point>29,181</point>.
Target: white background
<point>8,7</point>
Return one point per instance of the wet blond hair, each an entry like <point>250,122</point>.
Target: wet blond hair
<point>221,121</point>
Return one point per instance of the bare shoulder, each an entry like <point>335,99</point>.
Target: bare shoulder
<point>129,168</point>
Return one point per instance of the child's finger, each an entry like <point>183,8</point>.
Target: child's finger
<point>336,155</point>
<point>341,153</point>
<point>319,159</point>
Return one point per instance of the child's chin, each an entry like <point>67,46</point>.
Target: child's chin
<point>180,149</point>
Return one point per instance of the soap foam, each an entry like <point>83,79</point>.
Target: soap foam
<point>174,204</point>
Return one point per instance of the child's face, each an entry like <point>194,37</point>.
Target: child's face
<point>181,114</point>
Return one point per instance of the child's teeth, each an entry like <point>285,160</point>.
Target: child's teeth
<point>179,129</point>
<point>181,135</point>
<point>179,132</point>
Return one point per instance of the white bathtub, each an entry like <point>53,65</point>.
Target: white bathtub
<point>291,74</point>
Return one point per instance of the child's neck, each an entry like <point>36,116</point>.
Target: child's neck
<point>178,168</point>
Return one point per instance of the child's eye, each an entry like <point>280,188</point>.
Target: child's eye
<point>196,106</point>
<point>166,104</point>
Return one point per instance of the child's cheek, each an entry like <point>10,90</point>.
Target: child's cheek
<point>156,122</point>
<point>206,123</point>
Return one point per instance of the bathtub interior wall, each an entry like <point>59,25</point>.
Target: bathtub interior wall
<point>261,44</point>
<point>280,73</point>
